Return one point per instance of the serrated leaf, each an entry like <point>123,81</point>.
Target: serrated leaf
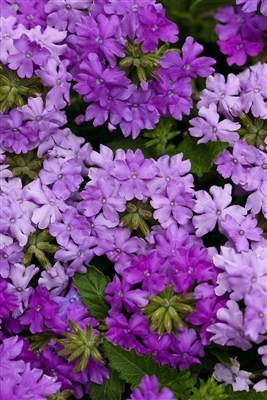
<point>201,155</point>
<point>243,395</point>
<point>132,367</point>
<point>111,389</point>
<point>91,287</point>
<point>128,143</point>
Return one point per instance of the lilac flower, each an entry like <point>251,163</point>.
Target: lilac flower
<point>241,232</point>
<point>175,205</point>
<point>65,302</point>
<point>65,178</point>
<point>145,269</point>
<point>10,349</point>
<point>34,382</point>
<point>190,265</point>
<point>140,118</point>
<point>41,308</point>
<point>234,165</point>
<point>171,97</point>
<point>99,36</point>
<point>229,329</point>
<point>120,294</point>
<point>13,135</point>
<point>7,34</point>
<point>20,278</point>
<point>186,347</point>
<point>149,389</point>
<point>9,255</point>
<point>176,66</point>
<point>13,220</point>
<point>73,226</point>
<point>221,92</point>
<point>101,197</point>
<point>64,14</point>
<point>171,168</point>
<point>135,171</point>
<point>157,27</point>
<point>215,209</point>
<point>79,255</point>
<point>54,278</point>
<point>56,76</point>
<point>232,375</point>
<point>123,332</point>
<point>40,119</point>
<point>252,5</point>
<point>255,314</point>
<point>237,49</point>
<point>50,206</point>
<point>29,55</point>
<point>8,301</point>
<point>208,127</point>
<point>254,90</point>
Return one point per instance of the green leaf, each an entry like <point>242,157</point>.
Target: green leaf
<point>222,355</point>
<point>209,390</point>
<point>243,395</point>
<point>201,155</point>
<point>132,367</point>
<point>111,389</point>
<point>91,287</point>
<point>128,143</point>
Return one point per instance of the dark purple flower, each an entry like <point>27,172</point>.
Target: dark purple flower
<point>186,347</point>
<point>123,332</point>
<point>31,16</point>
<point>159,346</point>
<point>8,301</point>
<point>29,55</point>
<point>149,389</point>
<point>119,294</point>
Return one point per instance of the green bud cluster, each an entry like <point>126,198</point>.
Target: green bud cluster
<point>138,217</point>
<point>168,310</point>
<point>253,132</point>
<point>160,136</point>
<point>140,66</point>
<point>60,395</point>
<point>14,91</point>
<point>38,244</point>
<point>81,345</point>
<point>25,166</point>
<point>40,340</point>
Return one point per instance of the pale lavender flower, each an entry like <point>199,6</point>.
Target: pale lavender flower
<point>208,127</point>
<point>10,349</point>
<point>229,329</point>
<point>252,5</point>
<point>7,35</point>
<point>214,210</point>
<point>9,255</point>
<point>255,314</point>
<point>54,278</point>
<point>232,375</point>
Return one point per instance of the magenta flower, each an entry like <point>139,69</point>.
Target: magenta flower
<point>157,26</point>
<point>8,301</point>
<point>29,55</point>
<point>159,346</point>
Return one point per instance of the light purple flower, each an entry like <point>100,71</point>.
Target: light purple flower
<point>214,210</point>
<point>232,375</point>
<point>255,314</point>
<point>252,5</point>
<point>208,127</point>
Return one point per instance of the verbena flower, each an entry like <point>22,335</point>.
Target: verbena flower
<point>148,388</point>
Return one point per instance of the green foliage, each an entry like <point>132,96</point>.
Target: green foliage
<point>111,389</point>
<point>243,395</point>
<point>132,367</point>
<point>128,143</point>
<point>203,5</point>
<point>209,390</point>
<point>222,355</point>
<point>201,155</point>
<point>91,287</point>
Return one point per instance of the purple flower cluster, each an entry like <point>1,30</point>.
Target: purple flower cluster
<point>241,33</point>
<point>252,5</point>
